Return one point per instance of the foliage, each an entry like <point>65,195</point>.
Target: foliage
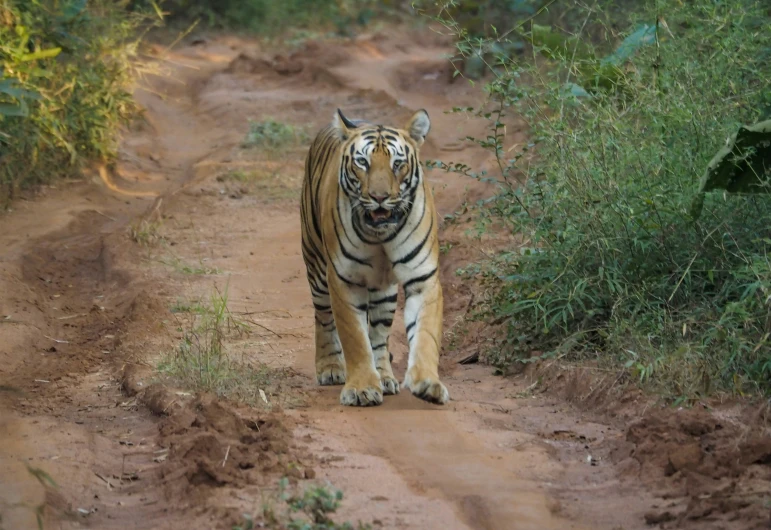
<point>203,361</point>
<point>743,165</point>
<point>65,75</point>
<point>273,134</point>
<point>614,267</point>
<point>271,17</point>
<point>314,505</point>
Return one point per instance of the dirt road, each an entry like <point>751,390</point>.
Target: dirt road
<point>86,314</point>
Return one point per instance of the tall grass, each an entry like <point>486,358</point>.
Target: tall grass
<point>65,76</point>
<point>614,268</point>
<point>204,360</point>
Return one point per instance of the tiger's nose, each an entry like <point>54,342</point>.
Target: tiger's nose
<point>378,198</point>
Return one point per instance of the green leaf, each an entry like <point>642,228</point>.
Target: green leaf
<point>644,35</point>
<point>73,9</point>
<point>11,109</point>
<point>42,54</point>
<point>742,166</point>
<point>11,88</point>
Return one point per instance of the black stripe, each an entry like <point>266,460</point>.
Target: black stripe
<point>419,279</point>
<point>382,322</point>
<point>398,231</point>
<point>342,222</point>
<point>344,279</point>
<point>361,307</point>
<point>379,346</point>
<point>418,248</point>
<point>410,326</point>
<point>385,300</point>
<point>322,308</point>
<point>345,252</point>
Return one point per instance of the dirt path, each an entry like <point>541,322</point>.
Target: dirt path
<point>86,316</point>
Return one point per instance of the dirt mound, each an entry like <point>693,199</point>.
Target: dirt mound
<point>709,471</point>
<point>210,445</point>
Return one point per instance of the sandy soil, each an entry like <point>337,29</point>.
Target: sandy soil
<point>86,315</point>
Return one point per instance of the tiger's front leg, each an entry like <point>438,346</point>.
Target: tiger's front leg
<point>349,307</point>
<point>423,310</point>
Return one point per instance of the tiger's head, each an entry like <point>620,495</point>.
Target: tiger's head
<point>380,171</point>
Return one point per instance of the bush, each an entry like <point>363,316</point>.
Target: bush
<point>614,267</point>
<point>64,86</point>
<point>271,16</point>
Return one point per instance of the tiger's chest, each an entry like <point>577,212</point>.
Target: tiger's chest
<point>375,273</point>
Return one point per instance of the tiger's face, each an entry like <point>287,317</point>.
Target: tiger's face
<point>380,172</point>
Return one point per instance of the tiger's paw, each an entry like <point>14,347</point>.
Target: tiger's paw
<point>427,388</point>
<point>362,396</point>
<point>390,385</point>
<point>331,372</point>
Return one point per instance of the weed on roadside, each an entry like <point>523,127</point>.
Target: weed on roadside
<point>145,233</point>
<point>185,268</point>
<point>310,510</point>
<point>203,361</point>
<point>274,135</point>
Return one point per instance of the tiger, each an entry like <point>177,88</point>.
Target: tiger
<point>369,225</point>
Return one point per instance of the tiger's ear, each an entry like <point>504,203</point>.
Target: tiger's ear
<point>342,124</point>
<point>418,126</point>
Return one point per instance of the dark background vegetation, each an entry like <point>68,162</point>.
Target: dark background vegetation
<point>627,102</point>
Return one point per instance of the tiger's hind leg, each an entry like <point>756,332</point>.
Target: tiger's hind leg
<point>382,306</point>
<point>330,364</point>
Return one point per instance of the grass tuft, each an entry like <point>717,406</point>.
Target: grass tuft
<point>274,135</point>
<point>203,361</point>
<point>145,233</point>
<point>309,510</point>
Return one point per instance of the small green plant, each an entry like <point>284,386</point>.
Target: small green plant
<point>145,233</point>
<point>310,510</point>
<point>192,306</point>
<point>185,268</point>
<point>274,135</point>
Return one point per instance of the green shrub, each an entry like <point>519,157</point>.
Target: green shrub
<point>272,134</point>
<point>64,86</point>
<point>613,267</point>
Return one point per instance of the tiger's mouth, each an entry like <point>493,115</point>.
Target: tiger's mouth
<point>380,217</point>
